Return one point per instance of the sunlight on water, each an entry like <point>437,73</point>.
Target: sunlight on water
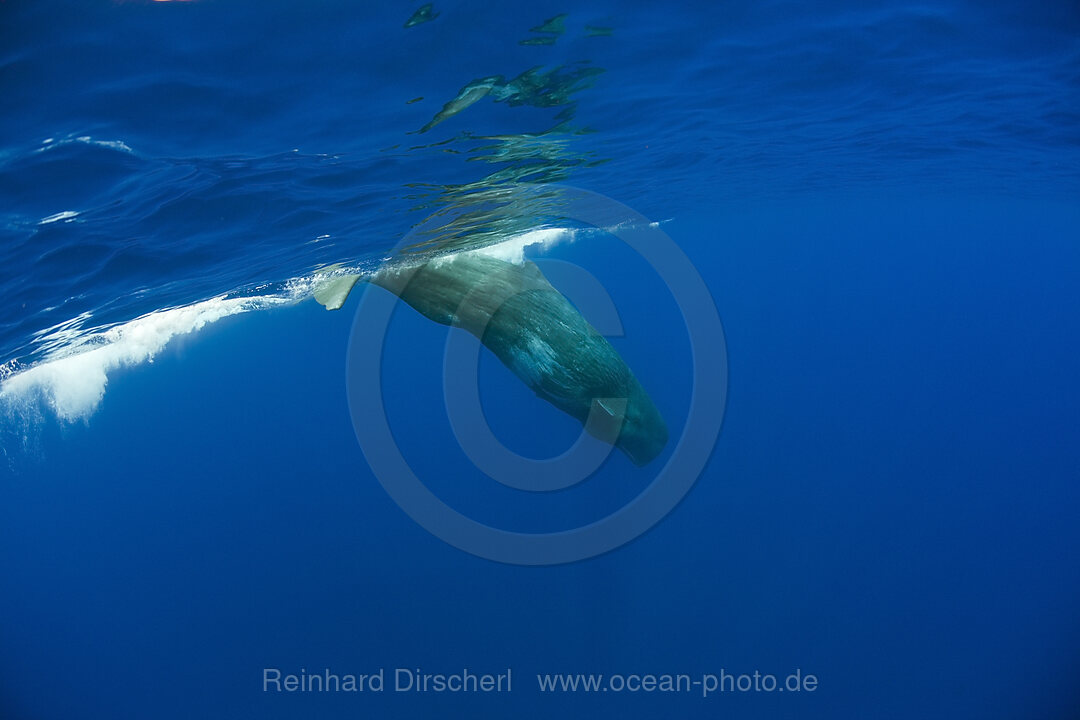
<point>105,231</point>
<point>68,365</point>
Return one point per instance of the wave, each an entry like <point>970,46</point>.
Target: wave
<point>73,383</point>
<point>71,380</point>
<point>53,143</point>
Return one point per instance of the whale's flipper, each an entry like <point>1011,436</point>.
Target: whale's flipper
<point>541,337</point>
<point>331,291</point>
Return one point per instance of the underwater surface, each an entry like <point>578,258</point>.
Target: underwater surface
<point>209,483</point>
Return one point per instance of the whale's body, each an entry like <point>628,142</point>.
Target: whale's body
<point>538,334</point>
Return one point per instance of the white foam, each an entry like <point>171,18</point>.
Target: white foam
<point>63,215</point>
<point>50,143</point>
<point>72,378</point>
<point>111,144</point>
<point>73,383</point>
<point>513,248</point>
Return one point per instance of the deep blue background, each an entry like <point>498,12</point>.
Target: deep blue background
<point>881,199</point>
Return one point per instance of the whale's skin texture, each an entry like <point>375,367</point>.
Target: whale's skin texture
<point>541,337</point>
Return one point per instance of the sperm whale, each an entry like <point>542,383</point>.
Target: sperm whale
<point>535,332</point>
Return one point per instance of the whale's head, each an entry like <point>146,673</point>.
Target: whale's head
<point>632,424</point>
<point>644,432</point>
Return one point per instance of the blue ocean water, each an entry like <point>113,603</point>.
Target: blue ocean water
<point>881,198</point>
